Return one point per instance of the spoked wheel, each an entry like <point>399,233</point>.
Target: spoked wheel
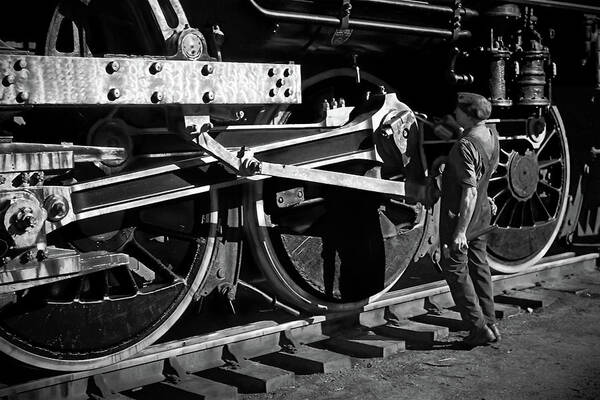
<point>530,189</point>
<point>105,317</point>
<point>336,251</point>
<point>101,318</point>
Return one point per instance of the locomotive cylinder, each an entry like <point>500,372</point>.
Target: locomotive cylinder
<point>531,83</point>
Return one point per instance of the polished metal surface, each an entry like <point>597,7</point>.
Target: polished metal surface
<point>80,81</point>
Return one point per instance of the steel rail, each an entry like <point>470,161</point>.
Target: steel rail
<point>550,268</point>
<point>356,23</point>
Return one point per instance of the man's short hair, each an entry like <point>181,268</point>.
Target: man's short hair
<point>474,105</point>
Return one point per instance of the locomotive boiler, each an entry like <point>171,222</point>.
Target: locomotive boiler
<point>157,151</point>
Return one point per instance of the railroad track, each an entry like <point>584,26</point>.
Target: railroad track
<point>264,355</point>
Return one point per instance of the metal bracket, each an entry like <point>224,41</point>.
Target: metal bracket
<point>98,389</point>
<point>174,371</point>
<point>288,343</point>
<point>232,360</point>
<point>59,264</point>
<point>343,33</point>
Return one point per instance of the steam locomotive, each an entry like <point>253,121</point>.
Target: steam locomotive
<point>157,151</point>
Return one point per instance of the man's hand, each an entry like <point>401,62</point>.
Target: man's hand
<point>459,242</point>
<point>493,206</point>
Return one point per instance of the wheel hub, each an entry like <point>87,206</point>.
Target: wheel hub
<point>523,175</point>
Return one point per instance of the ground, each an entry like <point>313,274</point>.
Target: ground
<point>551,353</point>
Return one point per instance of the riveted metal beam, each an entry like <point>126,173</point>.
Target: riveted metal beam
<point>57,80</point>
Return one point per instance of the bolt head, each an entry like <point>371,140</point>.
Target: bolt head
<point>157,97</point>
<point>156,67</point>
<point>208,69</point>
<point>21,64</point>
<point>57,208</point>
<point>208,97</point>
<point>8,80</point>
<point>113,67</point>
<point>114,94</point>
<point>22,97</point>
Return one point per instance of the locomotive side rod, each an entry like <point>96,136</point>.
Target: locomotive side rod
<point>184,178</point>
<point>248,165</point>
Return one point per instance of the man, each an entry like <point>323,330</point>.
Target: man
<point>465,214</point>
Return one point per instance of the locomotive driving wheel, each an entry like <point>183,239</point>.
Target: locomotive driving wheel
<point>324,248</point>
<point>104,317</point>
<point>337,250</point>
<point>530,189</point>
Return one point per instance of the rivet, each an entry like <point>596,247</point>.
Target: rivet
<point>20,64</point>
<point>280,83</point>
<point>9,80</point>
<point>273,92</point>
<point>114,94</point>
<point>272,72</point>
<point>288,92</point>
<point>208,97</point>
<point>22,97</point>
<point>300,194</point>
<point>287,72</point>
<point>113,67</point>
<point>155,68</point>
<point>157,97</point>
<point>280,199</point>
<point>208,69</point>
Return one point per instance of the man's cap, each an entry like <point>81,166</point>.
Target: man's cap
<point>474,105</point>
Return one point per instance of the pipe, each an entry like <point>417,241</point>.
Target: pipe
<point>420,6</point>
<point>560,4</point>
<point>354,23</point>
<point>270,299</point>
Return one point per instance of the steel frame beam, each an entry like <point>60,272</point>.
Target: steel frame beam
<point>79,81</point>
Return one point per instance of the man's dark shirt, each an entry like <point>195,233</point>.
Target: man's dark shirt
<point>465,167</point>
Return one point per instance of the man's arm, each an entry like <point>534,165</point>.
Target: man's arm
<point>468,200</point>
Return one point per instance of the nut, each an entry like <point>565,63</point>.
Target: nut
<point>156,67</point>
<point>8,80</point>
<point>21,64</point>
<point>208,69</point>
<point>157,97</point>
<point>114,94</point>
<point>113,67</point>
<point>22,97</point>
<point>208,97</point>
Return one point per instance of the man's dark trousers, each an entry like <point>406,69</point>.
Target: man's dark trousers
<point>468,275</point>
